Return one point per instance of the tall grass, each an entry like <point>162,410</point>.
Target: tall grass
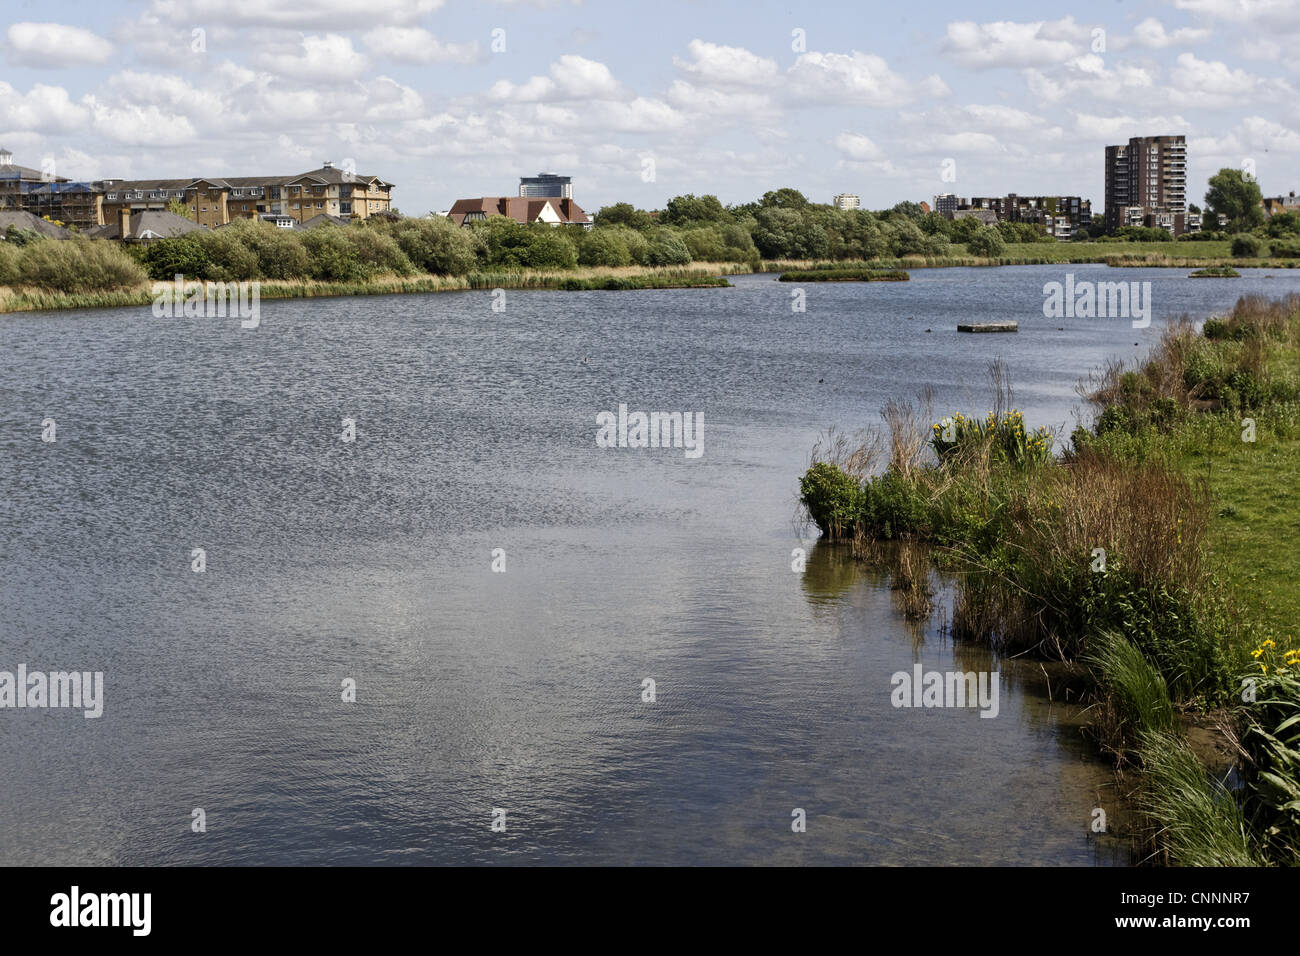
<point>1197,820</point>
<point>1138,700</point>
<point>29,298</point>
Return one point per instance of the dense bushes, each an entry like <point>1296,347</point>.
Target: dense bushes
<point>279,253</point>
<point>603,247</point>
<point>1245,246</point>
<point>666,249</point>
<point>986,242</point>
<point>435,245</point>
<point>506,242</point>
<point>73,265</point>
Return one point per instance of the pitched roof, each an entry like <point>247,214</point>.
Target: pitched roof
<point>27,174</point>
<point>519,208</point>
<point>147,224</point>
<point>147,185</point>
<point>987,216</point>
<point>333,175</point>
<point>22,219</point>
<point>325,219</point>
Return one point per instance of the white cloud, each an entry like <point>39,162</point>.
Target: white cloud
<point>417,45</point>
<point>640,115</point>
<point>571,77</point>
<point>720,103</point>
<point>55,45</point>
<point>1087,75</point>
<point>1118,129</point>
<point>711,63</point>
<point>42,109</point>
<point>321,59</point>
<point>1260,48</point>
<point>856,79</point>
<point>1260,133</point>
<point>1009,44</point>
<point>139,125</point>
<point>167,90</point>
<point>1278,12</point>
<point>294,13</point>
<point>1151,33</point>
<point>857,147</point>
<point>1207,83</point>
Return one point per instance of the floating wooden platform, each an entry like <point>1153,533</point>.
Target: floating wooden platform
<point>990,327</point>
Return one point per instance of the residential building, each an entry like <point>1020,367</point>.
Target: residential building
<point>45,195</point>
<point>546,186</point>
<point>847,201</point>
<point>1149,174</point>
<point>1275,205</point>
<point>1060,216</point>
<point>948,203</point>
<point>554,212</point>
<point>215,202</point>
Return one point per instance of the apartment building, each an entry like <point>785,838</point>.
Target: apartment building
<point>217,201</point>
<point>1146,183</point>
<point>41,193</point>
<point>1060,216</point>
<point>945,204</point>
<point>846,201</point>
<point>1276,204</point>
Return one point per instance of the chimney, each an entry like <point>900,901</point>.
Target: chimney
<point>123,222</point>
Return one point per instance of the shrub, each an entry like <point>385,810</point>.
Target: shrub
<point>377,252</point>
<point>228,258</point>
<point>510,243</point>
<point>332,256</point>
<point>20,237</point>
<point>436,245</point>
<point>1284,250</point>
<point>75,265</point>
<point>1245,246</point>
<point>666,249</point>
<point>181,255</point>
<point>280,254</point>
<point>986,242</point>
<point>638,246</point>
<point>834,499</point>
<point>603,247</point>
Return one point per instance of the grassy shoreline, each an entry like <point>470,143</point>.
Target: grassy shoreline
<point>696,275</point>
<point>1157,551</point>
<point>692,275</point>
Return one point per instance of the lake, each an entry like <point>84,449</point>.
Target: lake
<point>476,690</point>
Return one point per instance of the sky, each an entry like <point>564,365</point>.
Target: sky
<point>639,102</point>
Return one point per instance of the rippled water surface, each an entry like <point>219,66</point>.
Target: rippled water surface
<point>478,690</point>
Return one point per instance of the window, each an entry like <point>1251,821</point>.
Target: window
<point>295,205</point>
<point>345,207</point>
